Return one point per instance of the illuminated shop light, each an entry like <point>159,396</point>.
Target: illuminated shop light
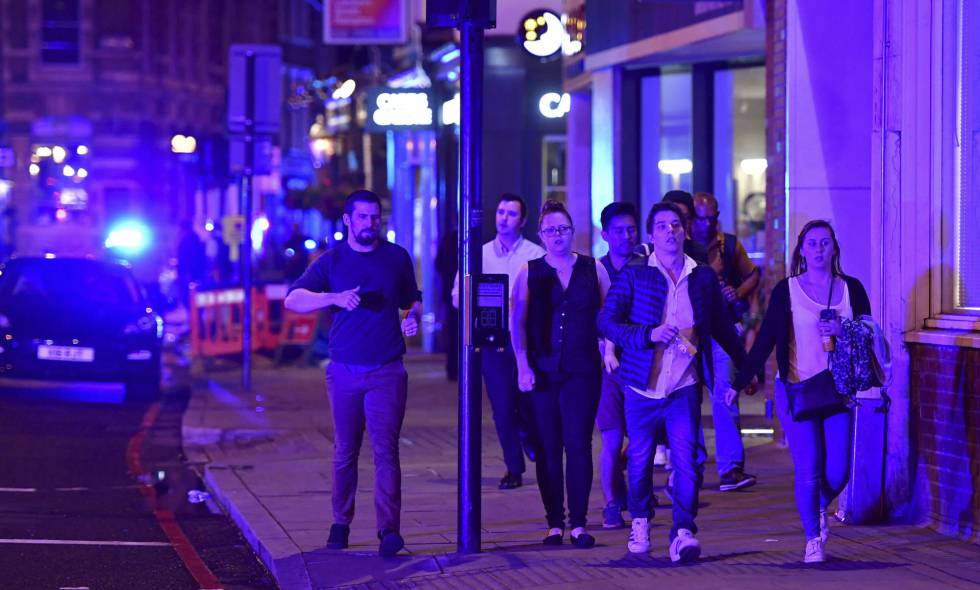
<point>555,106</point>
<point>58,153</point>
<point>43,152</point>
<point>61,215</point>
<point>310,244</point>
<point>391,235</point>
<point>544,36</point>
<point>34,169</point>
<point>183,144</point>
<point>68,171</point>
<point>753,166</point>
<point>345,91</point>
<point>82,150</point>
<point>338,235</point>
<point>402,108</point>
<point>450,111</point>
<point>209,225</point>
<point>676,167</point>
<point>82,173</point>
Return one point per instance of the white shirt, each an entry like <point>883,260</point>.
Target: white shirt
<point>499,259</point>
<point>806,354</point>
<point>673,363</point>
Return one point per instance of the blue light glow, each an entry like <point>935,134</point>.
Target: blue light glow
<point>310,245</point>
<point>130,237</point>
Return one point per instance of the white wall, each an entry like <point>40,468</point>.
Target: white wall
<point>829,102</point>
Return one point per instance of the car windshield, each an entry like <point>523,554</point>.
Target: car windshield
<point>64,281</point>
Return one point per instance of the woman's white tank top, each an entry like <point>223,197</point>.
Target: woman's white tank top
<point>806,354</point>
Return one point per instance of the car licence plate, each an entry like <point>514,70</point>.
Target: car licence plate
<point>76,354</point>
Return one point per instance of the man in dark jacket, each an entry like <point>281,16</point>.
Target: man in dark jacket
<point>664,315</point>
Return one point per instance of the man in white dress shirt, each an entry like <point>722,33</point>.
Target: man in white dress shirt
<point>506,254</point>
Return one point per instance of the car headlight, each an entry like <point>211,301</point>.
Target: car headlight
<point>140,326</point>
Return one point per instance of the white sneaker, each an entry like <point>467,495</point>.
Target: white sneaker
<point>824,527</point>
<point>814,551</point>
<point>660,456</point>
<point>684,548</point>
<point>639,536</point>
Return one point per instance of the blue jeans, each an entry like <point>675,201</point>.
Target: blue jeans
<point>729,450</point>
<point>821,451</point>
<point>681,413</point>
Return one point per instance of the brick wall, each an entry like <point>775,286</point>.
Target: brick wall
<point>775,248</point>
<point>945,396</point>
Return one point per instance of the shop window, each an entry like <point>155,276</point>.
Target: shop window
<point>60,31</point>
<point>553,167</point>
<point>740,154</point>
<point>966,289</point>
<point>666,135</point>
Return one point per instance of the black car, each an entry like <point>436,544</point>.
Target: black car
<point>73,319</point>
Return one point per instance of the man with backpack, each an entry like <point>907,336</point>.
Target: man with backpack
<point>739,279</point>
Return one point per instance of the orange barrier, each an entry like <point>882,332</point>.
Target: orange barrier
<point>216,321</point>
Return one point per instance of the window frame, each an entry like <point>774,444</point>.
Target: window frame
<point>950,181</point>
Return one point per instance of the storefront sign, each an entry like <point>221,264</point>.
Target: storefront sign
<point>389,109</point>
<point>542,34</point>
<point>555,106</point>
<point>355,22</point>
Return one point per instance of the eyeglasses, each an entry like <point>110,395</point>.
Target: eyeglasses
<point>561,230</point>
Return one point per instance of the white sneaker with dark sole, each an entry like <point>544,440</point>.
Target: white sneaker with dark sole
<point>814,551</point>
<point>639,536</point>
<point>685,548</point>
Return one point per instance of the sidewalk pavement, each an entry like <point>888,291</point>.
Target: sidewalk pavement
<point>266,459</point>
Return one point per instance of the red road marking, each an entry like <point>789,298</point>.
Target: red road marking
<point>192,561</point>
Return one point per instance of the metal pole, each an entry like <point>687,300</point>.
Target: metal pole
<point>470,263</point>
<point>246,249</point>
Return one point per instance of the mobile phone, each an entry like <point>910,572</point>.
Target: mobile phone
<point>828,314</point>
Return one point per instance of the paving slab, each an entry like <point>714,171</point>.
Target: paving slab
<point>266,459</point>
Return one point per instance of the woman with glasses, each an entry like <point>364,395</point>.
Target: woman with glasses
<point>556,300</point>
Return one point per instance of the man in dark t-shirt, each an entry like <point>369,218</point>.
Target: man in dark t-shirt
<point>364,281</point>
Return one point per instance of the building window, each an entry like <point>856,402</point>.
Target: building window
<point>966,269</point>
<point>957,72</point>
<point>17,24</point>
<point>740,154</point>
<point>117,24</point>
<point>553,167</point>
<point>60,31</point>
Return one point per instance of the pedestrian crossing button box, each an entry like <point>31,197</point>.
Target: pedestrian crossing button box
<point>491,304</point>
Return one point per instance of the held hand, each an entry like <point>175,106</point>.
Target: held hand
<point>753,387</point>
<point>731,396</point>
<point>348,299</point>
<point>728,292</point>
<point>829,327</point>
<point>410,325</point>
<point>525,378</point>
<point>663,333</point>
<point>609,360</point>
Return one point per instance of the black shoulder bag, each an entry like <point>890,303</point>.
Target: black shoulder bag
<point>816,397</point>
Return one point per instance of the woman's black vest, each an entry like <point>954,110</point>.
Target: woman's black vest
<point>562,332</point>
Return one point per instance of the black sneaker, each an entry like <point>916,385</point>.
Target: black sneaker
<point>391,543</point>
<point>736,479</point>
<point>510,481</point>
<point>339,533</point>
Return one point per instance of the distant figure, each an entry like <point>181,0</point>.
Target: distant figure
<point>191,259</point>
<point>738,278</point>
<point>447,261</point>
<point>364,281</point>
<point>506,254</point>
<point>297,256</point>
